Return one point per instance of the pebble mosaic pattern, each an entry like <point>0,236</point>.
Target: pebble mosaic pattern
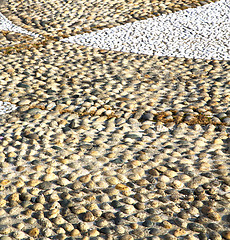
<point>68,17</point>
<point>111,145</point>
<point>203,32</point>
<point>7,25</point>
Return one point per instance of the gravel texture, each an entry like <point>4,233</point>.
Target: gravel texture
<point>202,32</point>
<point>7,25</point>
<point>68,17</point>
<point>6,107</point>
<point>112,145</point>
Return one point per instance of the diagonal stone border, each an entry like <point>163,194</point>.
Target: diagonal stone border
<point>118,39</point>
<point>203,32</point>
<point>194,33</point>
<point>7,25</point>
<point>62,18</point>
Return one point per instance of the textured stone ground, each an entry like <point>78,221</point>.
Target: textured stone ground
<point>109,145</point>
<point>74,17</point>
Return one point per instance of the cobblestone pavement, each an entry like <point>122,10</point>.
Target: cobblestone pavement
<point>105,144</point>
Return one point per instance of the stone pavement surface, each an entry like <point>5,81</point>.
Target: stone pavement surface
<point>105,144</point>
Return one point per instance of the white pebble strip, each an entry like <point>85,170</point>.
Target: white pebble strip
<point>6,107</point>
<point>7,25</point>
<point>202,32</point>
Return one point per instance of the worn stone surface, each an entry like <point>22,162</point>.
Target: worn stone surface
<point>108,143</point>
